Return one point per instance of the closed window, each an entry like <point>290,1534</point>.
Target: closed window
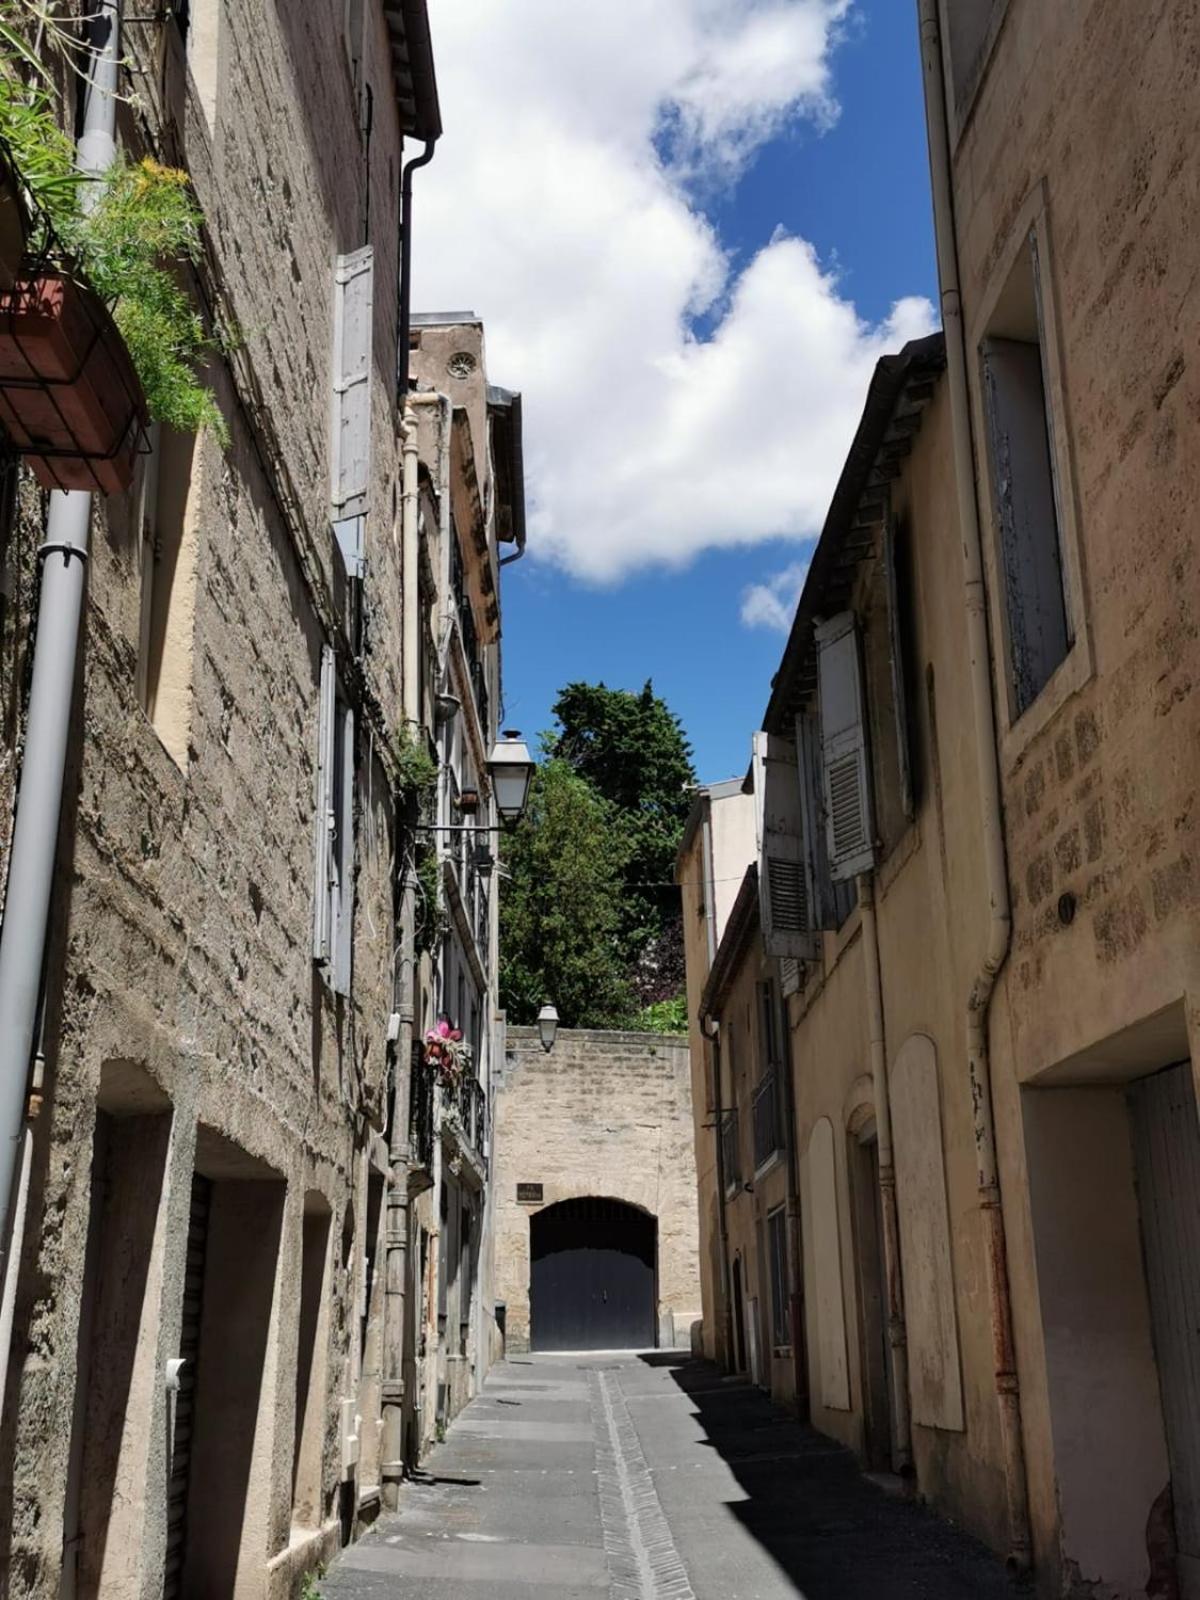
<point>1024,485</point>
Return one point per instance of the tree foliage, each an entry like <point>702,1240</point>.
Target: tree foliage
<point>632,750</point>
<point>560,907</point>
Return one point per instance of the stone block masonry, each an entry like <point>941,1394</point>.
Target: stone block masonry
<point>606,1115</point>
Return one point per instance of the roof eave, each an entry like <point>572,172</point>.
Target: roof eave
<point>413,69</point>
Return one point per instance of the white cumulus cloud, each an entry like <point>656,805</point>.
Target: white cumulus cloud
<point>563,207</point>
<point>772,603</point>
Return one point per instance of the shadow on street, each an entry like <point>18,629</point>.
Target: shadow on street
<point>834,1533</point>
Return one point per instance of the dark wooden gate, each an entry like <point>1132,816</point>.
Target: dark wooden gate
<point>592,1284</point>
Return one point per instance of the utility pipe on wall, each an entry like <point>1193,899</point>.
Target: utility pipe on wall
<point>712,1032</point>
<point>52,692</point>
<point>795,1222</point>
<point>1008,1393</point>
<point>397,1225</point>
<point>897,1338</point>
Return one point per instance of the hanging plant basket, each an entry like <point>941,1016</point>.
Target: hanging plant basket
<point>69,397</point>
<point>13,232</point>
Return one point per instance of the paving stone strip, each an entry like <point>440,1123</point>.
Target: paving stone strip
<point>643,1563</point>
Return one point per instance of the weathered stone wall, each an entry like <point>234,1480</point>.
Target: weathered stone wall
<point>181,934</point>
<point>606,1114</point>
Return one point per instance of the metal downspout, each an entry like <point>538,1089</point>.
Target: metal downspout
<point>397,1226</point>
<point>897,1337</point>
<point>795,1225</point>
<point>712,1032</point>
<point>404,331</point>
<point>52,692</point>
<point>1008,1393</point>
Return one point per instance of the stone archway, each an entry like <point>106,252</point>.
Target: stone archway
<point>592,1276</point>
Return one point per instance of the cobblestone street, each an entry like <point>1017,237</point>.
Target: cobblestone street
<point>650,1477</point>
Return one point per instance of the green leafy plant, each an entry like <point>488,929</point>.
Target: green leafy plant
<point>145,217</point>
<point>140,226</point>
<point>309,1584</point>
<point>417,771</point>
<point>432,919</point>
<point>664,1016</point>
<point>43,155</point>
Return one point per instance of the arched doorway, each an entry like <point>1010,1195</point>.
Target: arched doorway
<point>592,1278</point>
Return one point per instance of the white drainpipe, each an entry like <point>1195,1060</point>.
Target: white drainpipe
<point>1008,1393</point>
<point>40,789</point>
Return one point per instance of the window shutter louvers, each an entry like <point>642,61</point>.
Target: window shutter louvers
<point>342,888</point>
<point>351,447</point>
<point>325,822</point>
<point>899,687</point>
<point>847,792</point>
<point>784,908</point>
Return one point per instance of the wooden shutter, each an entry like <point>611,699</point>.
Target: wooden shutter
<point>351,447</point>
<point>821,896</point>
<point>787,928</point>
<point>850,828</point>
<point>342,855</point>
<point>325,817</point>
<point>899,687</point>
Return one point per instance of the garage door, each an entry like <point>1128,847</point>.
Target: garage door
<point>592,1276</point>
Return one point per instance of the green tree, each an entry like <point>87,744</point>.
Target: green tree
<point>560,906</point>
<point>632,750</point>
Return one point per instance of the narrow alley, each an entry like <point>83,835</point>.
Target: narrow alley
<point>650,1476</point>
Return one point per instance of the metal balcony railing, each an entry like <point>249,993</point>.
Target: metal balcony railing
<point>731,1150</point>
<point>472,1106</point>
<point>768,1124</point>
<point>420,1111</point>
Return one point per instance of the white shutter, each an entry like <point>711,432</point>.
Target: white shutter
<point>850,828</point>
<point>899,687</point>
<point>787,928</point>
<point>325,822</point>
<point>351,445</point>
<point>789,976</point>
<point>812,811</point>
<point>342,895</point>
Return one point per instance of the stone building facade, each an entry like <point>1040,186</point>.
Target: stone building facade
<point>471,500</point>
<point>594,1155</point>
<point>205,1298</point>
<point>974,874</point>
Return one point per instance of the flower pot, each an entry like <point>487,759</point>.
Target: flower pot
<point>12,226</point>
<point>69,397</point>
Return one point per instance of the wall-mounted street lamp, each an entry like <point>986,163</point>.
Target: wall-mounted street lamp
<point>511,769</point>
<point>547,1024</point>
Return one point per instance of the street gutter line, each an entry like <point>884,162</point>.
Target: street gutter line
<point>643,1561</point>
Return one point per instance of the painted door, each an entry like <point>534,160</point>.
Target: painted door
<point>1166,1133</point>
<point>592,1277</point>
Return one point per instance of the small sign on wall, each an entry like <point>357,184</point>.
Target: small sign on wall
<point>529,1194</point>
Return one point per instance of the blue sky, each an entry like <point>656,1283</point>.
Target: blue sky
<point>602,594</point>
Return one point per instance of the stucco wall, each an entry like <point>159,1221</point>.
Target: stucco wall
<point>1092,115</point>
<point>606,1114</point>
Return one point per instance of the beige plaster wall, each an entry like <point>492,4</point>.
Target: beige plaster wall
<point>1095,117</point>
<point>606,1114</point>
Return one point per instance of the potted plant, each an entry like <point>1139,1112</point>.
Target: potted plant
<point>96,335</point>
<point>447,1053</point>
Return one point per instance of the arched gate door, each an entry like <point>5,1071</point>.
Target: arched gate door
<point>592,1276</point>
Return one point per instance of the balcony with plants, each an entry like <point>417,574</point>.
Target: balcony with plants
<point>462,1121</point>
<point>98,336</point>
